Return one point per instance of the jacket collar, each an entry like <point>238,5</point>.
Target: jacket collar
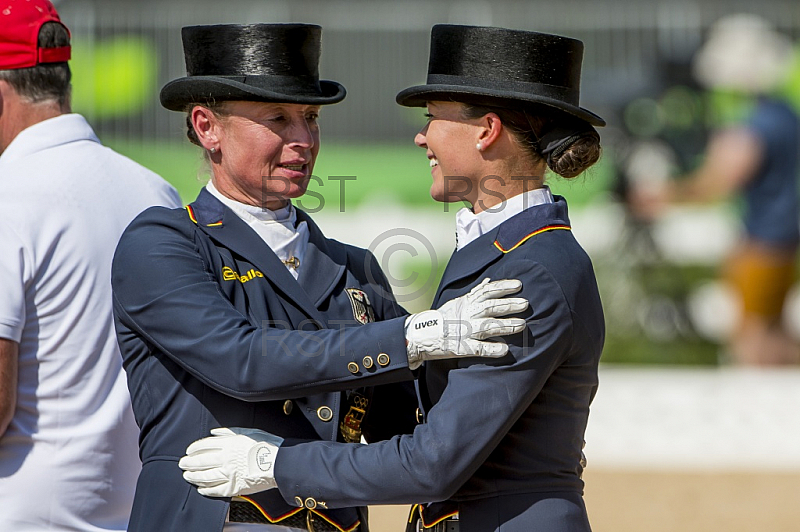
<point>531,222</point>
<point>224,226</point>
<point>504,239</point>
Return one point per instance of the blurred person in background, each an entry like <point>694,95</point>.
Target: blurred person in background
<point>68,456</point>
<point>500,446</point>
<point>237,310</point>
<point>758,160</point>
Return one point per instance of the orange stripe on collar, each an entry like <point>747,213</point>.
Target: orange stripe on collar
<point>191,213</point>
<point>542,230</point>
<point>194,218</point>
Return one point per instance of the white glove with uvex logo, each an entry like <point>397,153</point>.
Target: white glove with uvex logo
<point>233,461</point>
<point>460,326</point>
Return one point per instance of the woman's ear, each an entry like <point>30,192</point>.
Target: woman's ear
<point>205,125</point>
<point>490,129</point>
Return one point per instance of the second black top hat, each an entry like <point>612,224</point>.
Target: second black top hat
<point>488,65</point>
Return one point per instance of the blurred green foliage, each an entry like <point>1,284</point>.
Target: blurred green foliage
<point>622,349</point>
<point>113,78</point>
<point>791,89</point>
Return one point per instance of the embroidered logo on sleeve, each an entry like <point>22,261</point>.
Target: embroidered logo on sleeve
<point>362,310</point>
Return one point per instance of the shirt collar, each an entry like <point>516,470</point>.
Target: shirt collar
<point>470,226</point>
<point>285,216</point>
<point>278,229</point>
<point>62,129</point>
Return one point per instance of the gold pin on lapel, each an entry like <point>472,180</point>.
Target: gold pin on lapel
<point>294,262</point>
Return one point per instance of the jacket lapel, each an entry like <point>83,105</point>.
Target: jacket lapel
<point>472,258</point>
<point>323,264</point>
<point>504,239</point>
<point>225,227</point>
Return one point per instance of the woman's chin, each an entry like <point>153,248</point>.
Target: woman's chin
<point>442,197</point>
<point>439,195</point>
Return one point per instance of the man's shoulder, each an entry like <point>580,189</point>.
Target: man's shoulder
<point>121,160</point>
<point>140,184</point>
<point>85,162</point>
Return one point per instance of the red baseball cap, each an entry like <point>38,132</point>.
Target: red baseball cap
<point>20,21</point>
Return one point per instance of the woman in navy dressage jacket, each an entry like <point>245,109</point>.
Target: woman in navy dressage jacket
<point>501,443</point>
<point>238,311</point>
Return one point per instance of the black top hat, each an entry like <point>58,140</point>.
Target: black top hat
<point>254,62</point>
<point>485,65</point>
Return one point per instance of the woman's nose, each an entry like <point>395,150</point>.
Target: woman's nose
<point>420,139</point>
<point>303,135</point>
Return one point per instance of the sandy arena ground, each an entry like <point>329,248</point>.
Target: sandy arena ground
<point>620,501</point>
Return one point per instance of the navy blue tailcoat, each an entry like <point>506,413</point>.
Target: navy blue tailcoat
<point>501,443</point>
<point>215,331</point>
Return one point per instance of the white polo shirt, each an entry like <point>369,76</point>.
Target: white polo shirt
<point>69,459</point>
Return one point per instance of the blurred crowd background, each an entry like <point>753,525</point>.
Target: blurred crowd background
<point>727,439</point>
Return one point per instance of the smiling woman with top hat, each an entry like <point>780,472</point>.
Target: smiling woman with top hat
<point>500,448</point>
<point>238,311</point>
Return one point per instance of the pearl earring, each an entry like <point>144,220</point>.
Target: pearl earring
<point>213,150</point>
<point>479,146</point>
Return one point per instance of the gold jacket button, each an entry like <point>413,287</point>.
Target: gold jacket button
<point>383,359</point>
<point>367,362</point>
<point>299,501</point>
<point>288,406</point>
<point>353,367</point>
<point>325,414</point>
<point>311,503</point>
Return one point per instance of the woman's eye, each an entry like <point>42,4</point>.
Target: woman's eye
<point>277,118</point>
<point>428,116</point>
<point>312,117</point>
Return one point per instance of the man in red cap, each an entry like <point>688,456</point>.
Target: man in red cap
<point>68,440</point>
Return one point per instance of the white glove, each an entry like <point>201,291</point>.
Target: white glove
<point>232,462</point>
<point>459,327</point>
